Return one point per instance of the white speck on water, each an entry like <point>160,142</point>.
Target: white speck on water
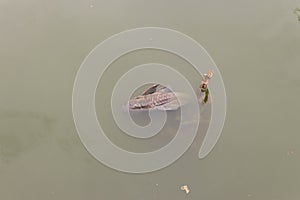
<point>185,188</point>
<point>249,195</point>
<point>150,39</point>
<point>91,6</point>
<point>156,184</point>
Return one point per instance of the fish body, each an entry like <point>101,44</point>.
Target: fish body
<point>159,97</point>
<point>156,100</point>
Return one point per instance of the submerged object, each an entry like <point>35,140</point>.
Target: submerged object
<point>297,12</point>
<point>160,97</point>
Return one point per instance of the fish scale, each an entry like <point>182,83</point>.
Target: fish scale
<point>158,99</point>
<point>151,100</point>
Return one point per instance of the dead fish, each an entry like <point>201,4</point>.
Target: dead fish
<point>160,97</point>
<point>156,97</point>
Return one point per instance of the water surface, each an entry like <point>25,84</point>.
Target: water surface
<point>256,46</point>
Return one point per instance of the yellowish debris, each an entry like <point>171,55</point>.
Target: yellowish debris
<point>185,188</point>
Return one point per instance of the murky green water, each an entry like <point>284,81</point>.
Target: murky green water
<point>256,46</point>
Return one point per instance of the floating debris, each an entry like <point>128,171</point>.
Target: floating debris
<point>185,188</point>
<point>91,6</point>
<point>203,85</point>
